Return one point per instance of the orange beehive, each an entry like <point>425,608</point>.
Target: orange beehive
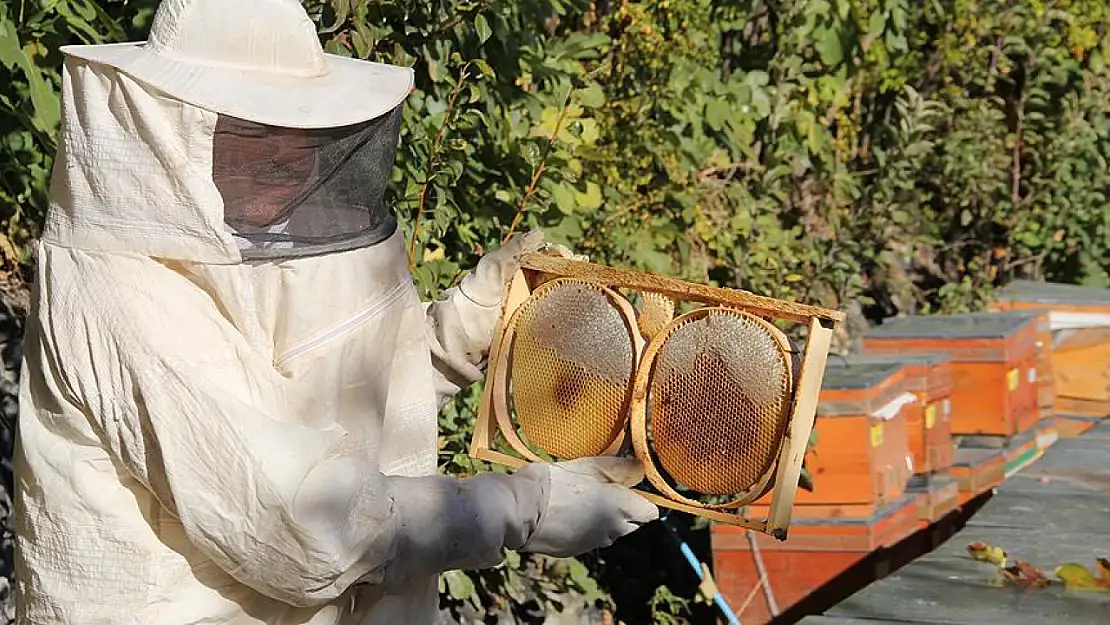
<point>1080,346</point>
<point>978,470</point>
<point>928,421</point>
<point>992,356</point>
<point>1071,426</point>
<point>861,459</point>
<point>935,495</point>
<point>818,550</point>
<point>1042,374</point>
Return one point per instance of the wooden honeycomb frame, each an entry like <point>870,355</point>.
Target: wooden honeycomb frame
<point>539,268</point>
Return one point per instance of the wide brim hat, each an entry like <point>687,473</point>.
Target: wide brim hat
<point>258,60</point>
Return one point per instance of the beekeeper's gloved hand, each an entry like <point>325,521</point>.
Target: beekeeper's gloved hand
<point>558,509</point>
<point>589,505</point>
<point>486,284</point>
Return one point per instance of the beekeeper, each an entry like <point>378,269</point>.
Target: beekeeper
<point>229,400</point>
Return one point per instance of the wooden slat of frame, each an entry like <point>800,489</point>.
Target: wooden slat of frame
<point>805,408</point>
<point>678,289</point>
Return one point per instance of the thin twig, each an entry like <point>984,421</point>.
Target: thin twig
<point>437,142</point>
<point>531,190</point>
<point>731,168</point>
<point>1036,258</point>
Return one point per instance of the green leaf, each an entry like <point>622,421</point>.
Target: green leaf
<point>716,113</point>
<point>459,585</point>
<point>875,25</point>
<point>342,8</point>
<point>591,97</point>
<point>756,78</point>
<point>44,101</point>
<point>591,199</point>
<point>564,198</point>
<point>484,68</point>
<point>481,26</point>
<point>590,133</point>
<point>829,46</point>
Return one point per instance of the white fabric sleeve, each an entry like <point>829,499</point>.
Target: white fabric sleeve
<point>459,334</point>
<point>462,319</point>
<point>296,512</point>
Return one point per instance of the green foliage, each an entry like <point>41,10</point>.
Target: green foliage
<point>668,608</point>
<point>30,35</point>
<point>878,156</point>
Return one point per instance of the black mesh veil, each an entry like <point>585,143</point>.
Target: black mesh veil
<point>293,192</point>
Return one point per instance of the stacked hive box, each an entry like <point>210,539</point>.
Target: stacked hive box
<point>1043,375</point>
<point>928,423</point>
<point>858,504</point>
<point>1080,348</point>
<point>978,470</point>
<point>1024,447</point>
<point>766,577</point>
<point>995,392</point>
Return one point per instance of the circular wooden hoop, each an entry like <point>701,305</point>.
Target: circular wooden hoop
<point>638,407</point>
<point>500,395</point>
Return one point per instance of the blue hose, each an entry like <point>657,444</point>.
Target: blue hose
<point>718,599</point>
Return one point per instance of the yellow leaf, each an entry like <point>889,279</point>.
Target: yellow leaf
<point>1078,577</point>
<point>436,254</point>
<point>987,553</point>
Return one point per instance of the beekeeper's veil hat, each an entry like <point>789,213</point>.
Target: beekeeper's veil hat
<point>303,141</point>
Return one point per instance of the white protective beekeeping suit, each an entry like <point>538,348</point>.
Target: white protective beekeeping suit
<point>229,396</point>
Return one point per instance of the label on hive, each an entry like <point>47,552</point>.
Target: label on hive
<point>1012,379</point>
<point>1032,376</point>
<point>876,434</point>
<point>947,408</point>
<point>930,416</point>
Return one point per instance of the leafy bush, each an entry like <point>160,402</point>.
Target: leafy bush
<point>877,156</point>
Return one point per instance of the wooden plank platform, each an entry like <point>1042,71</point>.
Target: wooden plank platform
<point>1054,511</point>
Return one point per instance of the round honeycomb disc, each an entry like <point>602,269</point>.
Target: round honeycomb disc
<point>572,363</point>
<point>720,395</point>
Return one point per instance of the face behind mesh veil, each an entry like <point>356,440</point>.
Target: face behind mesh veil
<point>293,192</point>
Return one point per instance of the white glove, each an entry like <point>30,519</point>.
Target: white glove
<point>589,505</point>
<point>486,284</point>
<point>562,509</point>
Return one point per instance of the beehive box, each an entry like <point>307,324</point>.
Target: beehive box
<point>1080,344</point>
<point>1042,374</point>
<point>977,471</point>
<point>993,357</point>
<point>935,495</point>
<point>928,422</point>
<point>861,460</point>
<point>1074,406</point>
<point>1071,426</point>
<point>817,551</point>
